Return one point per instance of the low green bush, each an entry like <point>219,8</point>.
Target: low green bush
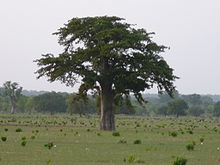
<point>49,145</point>
<point>137,141</point>
<point>4,138</point>
<point>18,130</point>
<point>173,134</point>
<point>23,143</point>
<point>180,161</point>
<point>190,147</point>
<point>115,134</point>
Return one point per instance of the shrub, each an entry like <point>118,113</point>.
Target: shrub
<point>190,132</point>
<point>23,138</point>
<point>23,143</point>
<point>6,129</point>
<point>49,145</point>
<point>190,147</point>
<point>130,159</point>
<point>4,138</point>
<point>115,134</point>
<point>32,137</point>
<point>180,161</point>
<point>173,134</point>
<point>18,130</point>
<point>202,139</point>
<point>137,141</point>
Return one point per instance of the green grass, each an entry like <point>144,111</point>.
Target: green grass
<point>76,145</point>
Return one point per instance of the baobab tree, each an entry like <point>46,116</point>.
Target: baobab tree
<point>111,58</point>
<point>13,91</point>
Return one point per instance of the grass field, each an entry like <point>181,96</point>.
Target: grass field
<point>75,140</point>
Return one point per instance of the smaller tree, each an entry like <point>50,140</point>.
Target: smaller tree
<point>21,104</point>
<point>216,110</point>
<point>206,101</point>
<point>29,105</point>
<point>177,107</point>
<point>163,110</point>
<point>50,103</point>
<point>193,99</point>
<point>13,91</point>
<point>196,110</point>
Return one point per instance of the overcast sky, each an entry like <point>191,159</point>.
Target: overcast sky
<point>191,28</point>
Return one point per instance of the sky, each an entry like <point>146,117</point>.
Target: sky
<point>191,28</point>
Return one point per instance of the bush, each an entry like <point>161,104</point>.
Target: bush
<point>18,130</point>
<point>202,139</point>
<point>23,143</point>
<point>6,129</point>
<point>49,145</point>
<point>173,134</point>
<point>130,159</point>
<point>193,143</point>
<point>190,147</point>
<point>137,141</point>
<point>115,134</point>
<point>23,138</point>
<point>4,138</point>
<point>190,132</point>
<point>32,137</point>
<point>180,161</point>
<point>98,134</point>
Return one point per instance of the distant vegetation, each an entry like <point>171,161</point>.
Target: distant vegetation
<point>157,105</point>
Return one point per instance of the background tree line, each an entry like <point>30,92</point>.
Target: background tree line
<point>61,102</point>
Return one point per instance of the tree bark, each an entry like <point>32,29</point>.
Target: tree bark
<point>107,121</point>
<point>13,108</point>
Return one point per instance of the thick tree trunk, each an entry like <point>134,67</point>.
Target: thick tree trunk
<point>13,108</point>
<point>107,121</point>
